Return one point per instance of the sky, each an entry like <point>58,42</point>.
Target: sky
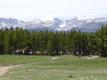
<point>32,9</point>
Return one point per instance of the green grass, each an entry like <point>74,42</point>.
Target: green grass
<point>6,60</point>
<point>63,68</point>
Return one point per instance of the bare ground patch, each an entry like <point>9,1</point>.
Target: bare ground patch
<point>90,57</point>
<point>5,69</point>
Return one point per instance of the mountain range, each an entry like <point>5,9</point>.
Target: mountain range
<point>84,24</point>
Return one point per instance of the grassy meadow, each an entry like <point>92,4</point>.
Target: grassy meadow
<point>54,68</point>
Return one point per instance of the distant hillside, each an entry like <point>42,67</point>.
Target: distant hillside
<point>79,23</point>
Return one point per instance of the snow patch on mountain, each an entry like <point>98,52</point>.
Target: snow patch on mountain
<point>56,24</point>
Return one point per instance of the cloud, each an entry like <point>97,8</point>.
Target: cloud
<point>30,9</point>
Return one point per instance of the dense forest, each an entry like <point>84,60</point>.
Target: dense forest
<point>19,41</point>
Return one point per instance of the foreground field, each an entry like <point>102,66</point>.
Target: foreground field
<point>54,68</point>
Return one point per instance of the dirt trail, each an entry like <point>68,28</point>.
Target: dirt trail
<point>5,69</point>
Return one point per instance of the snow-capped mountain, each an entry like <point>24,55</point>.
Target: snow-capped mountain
<point>9,22</point>
<point>84,24</point>
<point>53,25</point>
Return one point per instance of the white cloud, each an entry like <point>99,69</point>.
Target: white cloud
<point>31,9</point>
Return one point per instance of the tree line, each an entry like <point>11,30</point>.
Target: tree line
<point>20,41</point>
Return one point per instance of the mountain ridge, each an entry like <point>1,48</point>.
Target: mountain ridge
<point>55,24</point>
